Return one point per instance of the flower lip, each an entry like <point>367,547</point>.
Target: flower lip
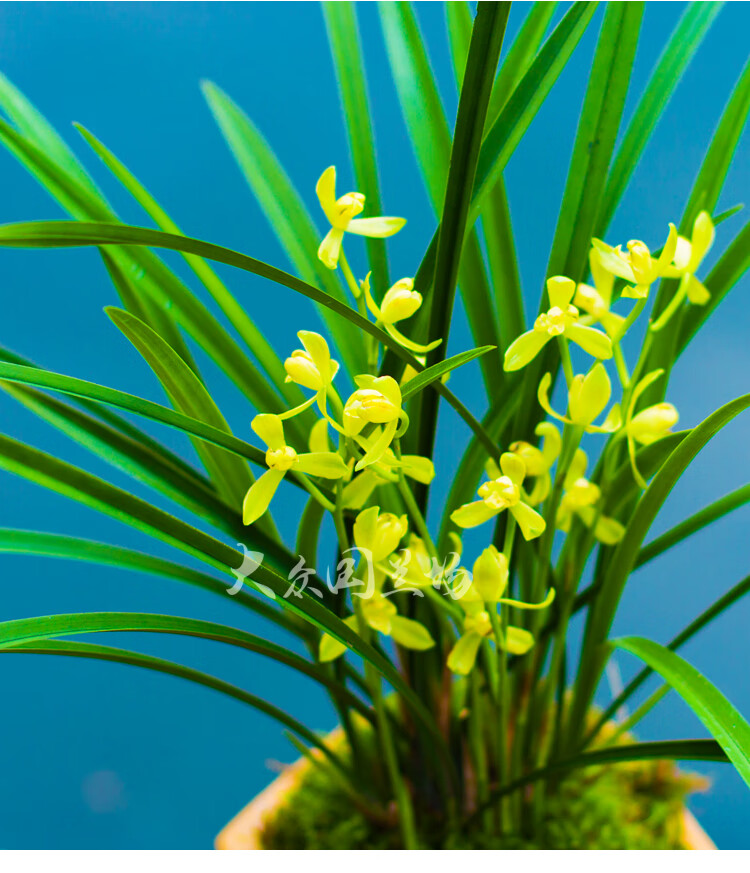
<point>500,493</point>
<point>282,459</point>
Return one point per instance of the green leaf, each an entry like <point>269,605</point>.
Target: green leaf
<point>52,626</point>
<point>189,396</point>
<point>51,234</point>
<point>346,49</point>
<point>149,662</point>
<point>702,518</point>
<point>240,320</point>
<point>285,211</point>
<point>437,371</point>
<point>625,555</point>
<point>48,545</point>
<point>139,461</point>
<point>79,485</point>
<point>706,617</point>
<point>424,115</point>
<point>460,19</point>
<point>720,718</point>
<point>484,51</point>
<point>669,69</point>
<point>674,750</point>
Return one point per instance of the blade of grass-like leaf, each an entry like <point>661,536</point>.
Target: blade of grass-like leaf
<point>423,112</point>
<point>520,55</point>
<point>189,396</point>
<point>47,545</point>
<point>672,63</point>
<point>146,408</point>
<point>149,662</point>
<point>673,750</point>
<point>460,20</point>
<point>51,626</point>
<point>626,553</point>
<point>242,323</point>
<point>118,423</point>
<point>718,715</point>
<point>79,485</point>
<point>159,289</point>
<point>346,49</point>
<point>53,234</point>
<point>437,371</point>
<point>721,605</point>
<point>137,460</point>
<point>683,530</point>
<point>484,51</point>
<point>285,211</point>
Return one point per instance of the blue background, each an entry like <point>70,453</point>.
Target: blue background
<point>96,755</point>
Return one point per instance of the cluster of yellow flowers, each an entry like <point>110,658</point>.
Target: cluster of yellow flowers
<point>371,421</point>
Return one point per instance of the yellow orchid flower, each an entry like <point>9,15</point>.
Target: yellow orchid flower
<point>503,492</point>
<point>637,265</point>
<point>580,498</point>
<point>490,578</point>
<point>649,425</point>
<point>377,400</point>
<point>587,397</point>
<point>281,458</point>
<point>416,467</point>
<point>539,461</point>
<point>561,319</point>
<point>311,367</point>
<point>689,255</point>
<point>596,300</point>
<point>342,215</point>
<point>401,301</point>
<point>417,569</point>
<point>381,615</point>
<point>379,533</point>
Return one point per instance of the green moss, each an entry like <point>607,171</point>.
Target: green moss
<point>625,806</point>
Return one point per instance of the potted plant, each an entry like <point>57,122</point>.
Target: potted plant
<point>443,640</point>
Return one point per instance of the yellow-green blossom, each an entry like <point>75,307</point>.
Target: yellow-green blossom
<point>689,255</point>
<point>379,534</point>
<point>281,458</point>
<point>587,397</point>
<point>539,461</point>
<point>596,300</point>
<point>637,265</point>
<point>503,492</point>
<point>377,400</point>
<point>561,319</point>
<point>401,301</point>
<point>580,498</point>
<point>342,214</point>
<point>648,425</point>
<point>311,367</point>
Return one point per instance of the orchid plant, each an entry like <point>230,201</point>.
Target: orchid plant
<point>457,660</point>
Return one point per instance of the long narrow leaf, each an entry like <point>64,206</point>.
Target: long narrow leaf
<point>721,719</point>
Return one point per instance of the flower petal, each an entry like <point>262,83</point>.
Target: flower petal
<point>380,226</point>
<point>270,429</point>
<point>463,655</point>
<point>356,492</point>
<point>513,467</point>
<point>259,495</point>
<point>542,396</point>
<point>326,191</point>
<point>697,292</point>
<point>531,523</point>
<point>330,648</point>
<point>318,439</point>
<point>472,514</point>
<point>591,340</point>
<point>613,261</point>
<point>588,397</point>
<point>411,634</point>
<point>328,465</point>
<point>524,349</point>
<point>330,249</point>
<point>560,290</point>
<point>377,449</point>
<point>604,280</point>
<point>418,468</point>
<point>518,641</point>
